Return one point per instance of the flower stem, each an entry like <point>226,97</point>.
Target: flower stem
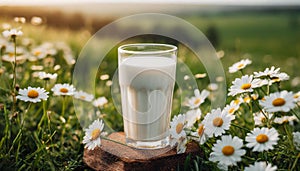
<point>43,117</point>
<point>289,136</point>
<point>296,114</point>
<point>246,129</point>
<point>117,142</point>
<point>63,106</point>
<point>295,162</point>
<point>265,115</point>
<point>14,77</point>
<point>6,129</point>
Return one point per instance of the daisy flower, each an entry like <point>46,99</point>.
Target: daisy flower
<point>181,145</point>
<point>93,134</point>
<point>239,65</point>
<point>36,20</point>
<point>192,116</point>
<point>198,99</point>
<point>260,118</point>
<point>10,57</point>
<point>279,77</point>
<point>12,33</point>
<point>83,96</point>
<point>268,72</point>
<point>200,75</point>
<point>261,166</point>
<point>262,139</point>
<point>177,127</point>
<point>47,76</point>
<point>216,122</point>
<point>238,101</point>
<point>285,119</point>
<point>296,139</point>
<point>243,85</point>
<point>247,99</point>
<point>104,77</point>
<point>262,82</point>
<point>9,54</point>
<point>199,134</point>
<point>63,90</point>
<point>231,108</point>
<point>279,101</point>
<point>32,94</point>
<point>212,87</point>
<point>297,97</point>
<point>49,48</point>
<point>227,151</point>
<point>100,102</point>
<point>39,52</point>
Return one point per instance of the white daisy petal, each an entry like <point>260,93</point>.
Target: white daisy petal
<point>100,102</point>
<point>243,85</point>
<point>83,96</point>
<point>63,90</point>
<point>262,139</point>
<point>177,127</point>
<point>198,99</point>
<point>279,101</point>
<point>261,166</point>
<point>192,116</point>
<point>32,94</point>
<point>92,135</point>
<point>216,122</point>
<point>227,151</point>
<point>239,65</point>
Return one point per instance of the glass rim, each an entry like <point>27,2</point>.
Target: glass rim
<point>172,48</point>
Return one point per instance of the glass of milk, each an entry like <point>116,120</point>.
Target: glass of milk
<point>147,77</point>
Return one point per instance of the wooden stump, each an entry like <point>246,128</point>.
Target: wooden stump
<point>112,156</point>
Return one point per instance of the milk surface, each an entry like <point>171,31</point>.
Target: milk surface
<point>147,85</point>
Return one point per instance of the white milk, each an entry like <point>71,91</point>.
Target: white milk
<point>147,85</point>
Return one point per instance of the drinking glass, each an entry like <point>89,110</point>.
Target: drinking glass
<point>147,77</point>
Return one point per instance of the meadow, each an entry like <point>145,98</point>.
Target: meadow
<point>46,135</point>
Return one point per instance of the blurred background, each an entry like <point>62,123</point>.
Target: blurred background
<point>268,32</point>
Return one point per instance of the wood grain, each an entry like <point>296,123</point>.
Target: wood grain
<point>113,156</point>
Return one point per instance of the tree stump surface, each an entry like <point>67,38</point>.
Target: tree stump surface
<point>112,156</point>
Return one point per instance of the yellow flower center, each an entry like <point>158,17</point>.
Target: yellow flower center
<point>263,120</point>
<point>95,133</point>
<point>179,128</point>
<point>296,96</point>
<point>11,55</point>
<point>236,101</point>
<point>247,99</point>
<point>32,94</point>
<point>246,86</point>
<point>240,66</point>
<point>228,150</point>
<point>37,53</point>
<point>82,97</point>
<point>278,102</point>
<point>275,79</point>
<point>254,97</point>
<point>231,111</point>
<point>200,130</point>
<point>218,122</point>
<point>64,90</point>
<point>262,138</point>
<point>197,101</point>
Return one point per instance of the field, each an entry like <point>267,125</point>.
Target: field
<point>48,136</point>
